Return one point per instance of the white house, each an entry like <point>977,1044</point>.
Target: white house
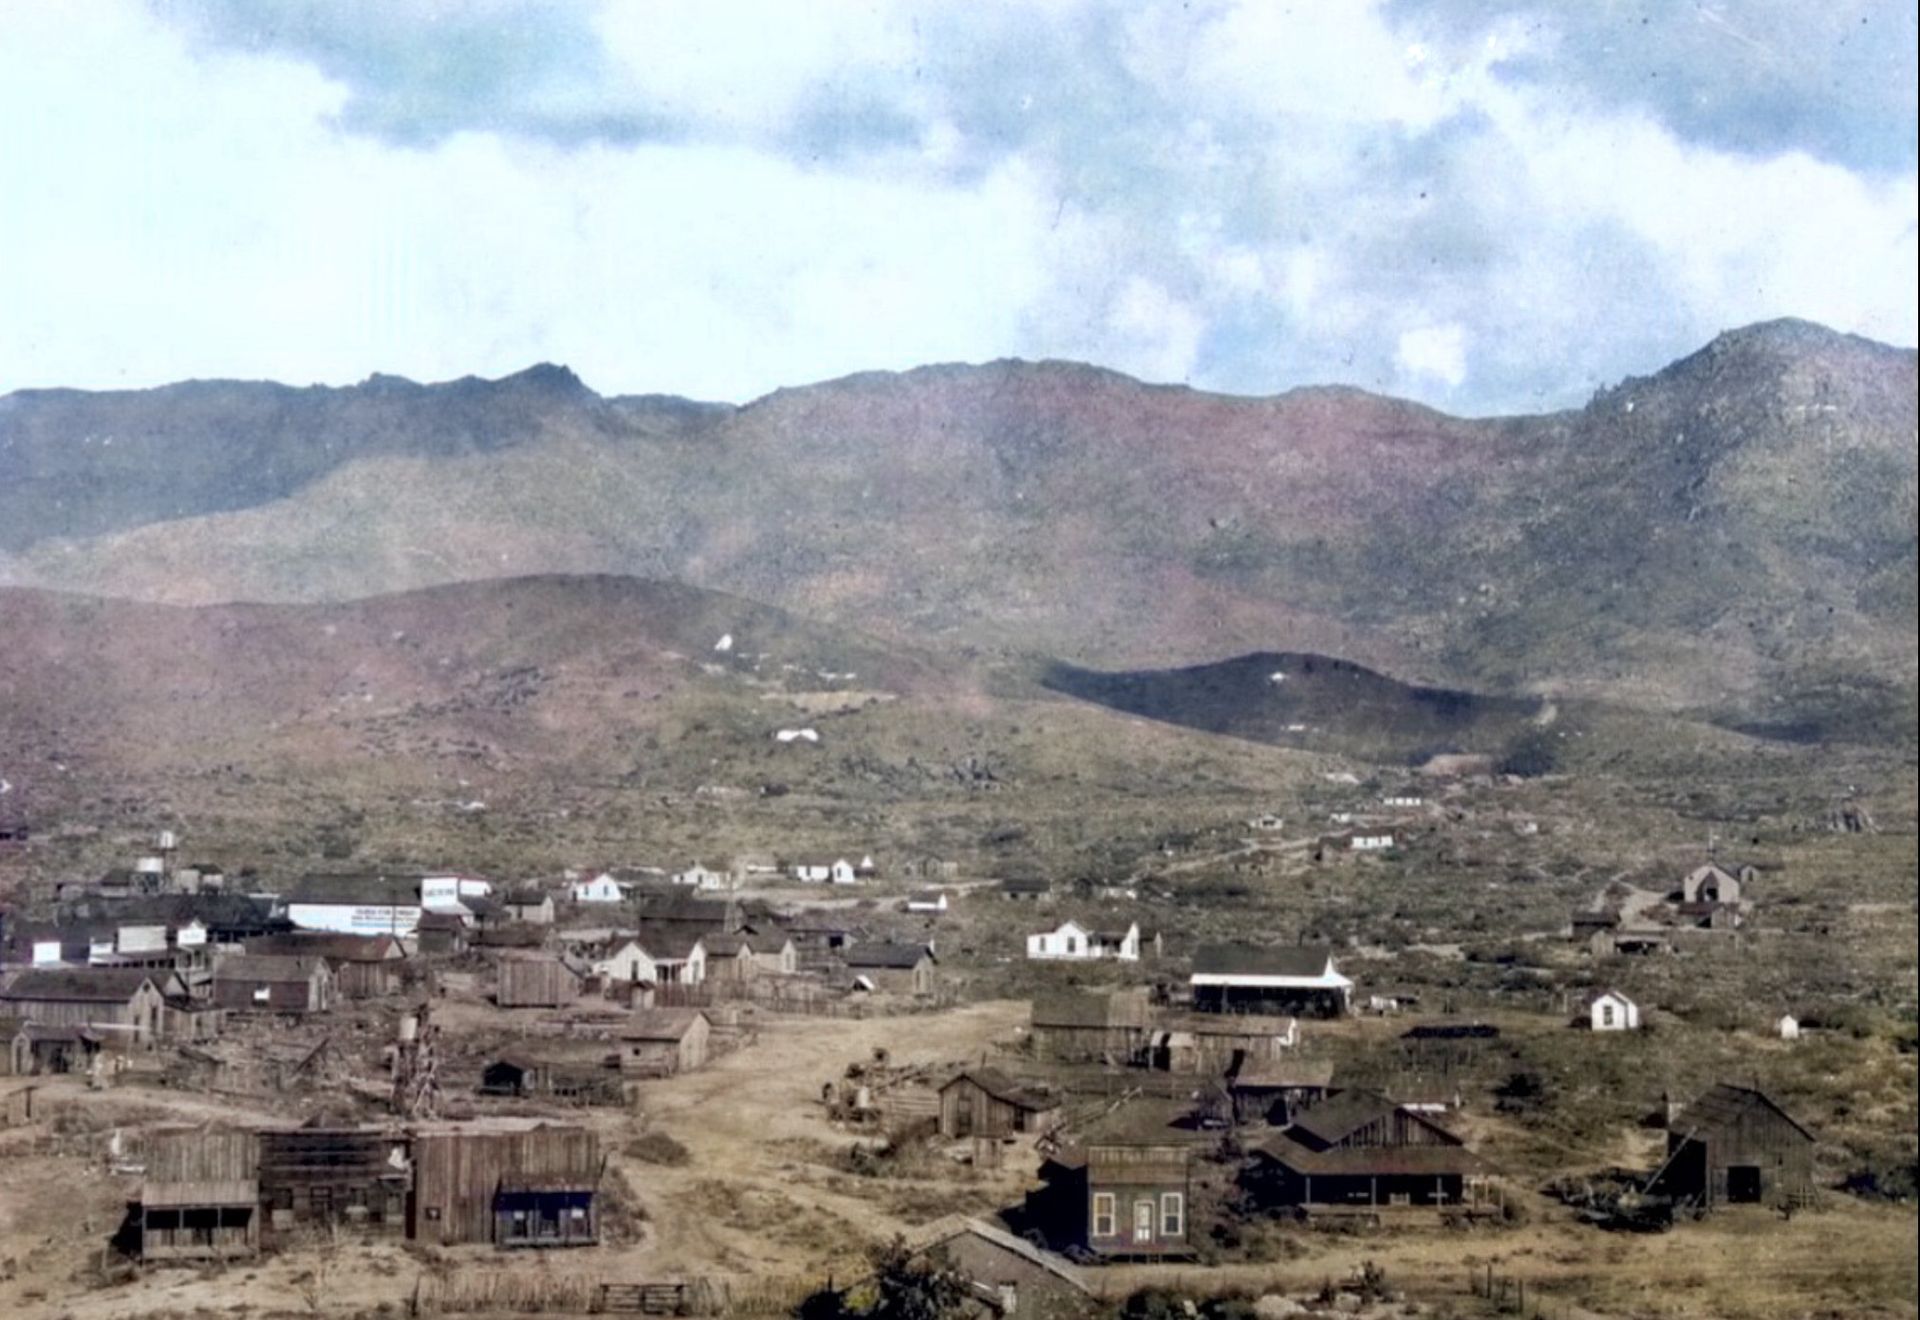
<point>1362,841</point>
<point>655,958</point>
<point>934,900</point>
<point>1609,1010</point>
<point>699,877</point>
<point>1788,1027</point>
<point>840,871</point>
<point>603,888</point>
<point>1266,823</point>
<point>1072,941</point>
<point>1402,800</point>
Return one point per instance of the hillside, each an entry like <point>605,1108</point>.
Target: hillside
<point>1734,535</point>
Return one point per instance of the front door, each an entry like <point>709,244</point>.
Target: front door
<point>1143,1221</point>
<point>1743,1183</point>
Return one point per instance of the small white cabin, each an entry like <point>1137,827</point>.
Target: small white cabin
<point>1788,1027</point>
<point>603,888</point>
<point>931,901</point>
<point>1072,941</point>
<point>1609,1010</point>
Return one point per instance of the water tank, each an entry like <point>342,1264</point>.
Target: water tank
<point>409,1026</point>
<point>167,841</point>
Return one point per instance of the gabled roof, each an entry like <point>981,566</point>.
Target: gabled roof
<point>721,945</point>
<point>1003,1088</point>
<point>1342,1114</point>
<point>768,941</point>
<point>333,947</point>
<point>1290,960</point>
<point>106,985</point>
<point>1724,1106</point>
<point>1362,1161</point>
<point>1592,997</point>
<point>1089,1008</point>
<point>669,939</point>
<point>1283,1074</point>
<point>661,1024</point>
<point>273,967</point>
<point>898,957</point>
<point>943,1231</point>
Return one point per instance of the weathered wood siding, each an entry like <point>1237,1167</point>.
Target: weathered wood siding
<point>458,1174</point>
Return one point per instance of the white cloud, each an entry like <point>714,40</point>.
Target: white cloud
<point>1436,352</point>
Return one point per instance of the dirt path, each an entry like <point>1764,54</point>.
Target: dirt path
<point>750,1199</point>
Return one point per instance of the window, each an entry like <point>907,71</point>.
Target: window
<point>1173,1214</point>
<point>1606,1015</point>
<point>1103,1215</point>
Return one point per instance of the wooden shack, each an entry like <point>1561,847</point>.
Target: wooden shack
<point>272,983</point>
<point>1085,1026</point>
<point>985,1102</point>
<point>904,969</point>
<point>1735,1145</point>
<point>329,1177</point>
<point>576,1080</point>
<point>660,1042</point>
<point>1273,1092</point>
<point>200,1199</point>
<point>536,981</point>
<point>440,934</point>
<point>508,1182</point>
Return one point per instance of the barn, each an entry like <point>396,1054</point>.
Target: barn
<point>1735,1145</point>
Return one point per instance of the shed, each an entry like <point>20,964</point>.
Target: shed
<point>895,968</point>
<point>985,1102</point>
<point>664,1041</point>
<point>1274,1092</point>
<point>535,981</point>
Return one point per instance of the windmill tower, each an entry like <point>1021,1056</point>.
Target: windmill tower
<point>416,1081</point>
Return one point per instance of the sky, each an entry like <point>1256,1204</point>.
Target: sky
<point>1486,205</point>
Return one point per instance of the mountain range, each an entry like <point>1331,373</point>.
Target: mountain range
<point>1732,537</point>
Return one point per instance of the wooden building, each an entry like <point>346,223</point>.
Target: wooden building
<point>37,1050</point>
<point>126,1004</point>
<point>201,1196</point>
<point>17,1107</point>
<point>1245,978</point>
<point>1221,1043</point>
<point>774,952</point>
<point>272,983</point>
<point>363,966</point>
<point>985,1102</point>
<point>329,1177</point>
<point>1026,889</point>
<point>1735,1145</point>
<point>536,981</point>
<point>529,905</point>
<point>660,1042</point>
<point>508,1182</point>
<point>902,969</point>
<point>1358,1148</point>
<point>1275,1091</point>
<point>440,934</point>
<point>1086,1026</point>
<point>1122,1188</point>
<point>574,1080</point>
<point>730,959</point>
<point>1007,1276</point>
